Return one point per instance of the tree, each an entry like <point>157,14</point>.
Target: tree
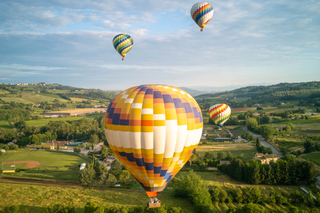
<point>252,208</point>
<point>87,175</point>
<point>100,169</point>
<point>77,150</point>
<point>104,151</point>
<point>90,207</point>
<point>253,172</point>
<point>111,180</point>
<point>251,123</point>
<point>124,177</point>
<point>94,139</point>
<point>116,168</point>
<point>192,187</point>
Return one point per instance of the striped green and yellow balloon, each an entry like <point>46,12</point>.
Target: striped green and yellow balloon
<point>153,130</point>
<point>220,113</point>
<point>123,44</point>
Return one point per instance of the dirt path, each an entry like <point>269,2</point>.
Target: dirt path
<point>31,164</point>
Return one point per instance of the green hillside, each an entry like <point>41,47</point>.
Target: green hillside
<point>307,93</point>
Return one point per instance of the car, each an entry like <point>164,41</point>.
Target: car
<point>83,166</point>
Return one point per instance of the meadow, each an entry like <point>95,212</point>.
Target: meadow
<point>54,165</point>
<point>5,125</point>
<point>314,157</point>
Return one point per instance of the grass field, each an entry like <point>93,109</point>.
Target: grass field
<point>10,166</point>
<point>5,125</point>
<point>54,165</point>
<point>314,157</point>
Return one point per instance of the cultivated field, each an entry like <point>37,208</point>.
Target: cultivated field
<point>245,151</point>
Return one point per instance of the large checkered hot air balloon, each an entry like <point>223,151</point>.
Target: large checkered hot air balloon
<point>153,130</point>
<point>220,113</point>
<point>201,13</point>
<point>123,44</point>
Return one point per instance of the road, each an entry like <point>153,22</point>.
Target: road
<point>264,142</point>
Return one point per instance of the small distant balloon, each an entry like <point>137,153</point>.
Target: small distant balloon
<point>220,113</point>
<point>201,13</point>
<point>123,44</point>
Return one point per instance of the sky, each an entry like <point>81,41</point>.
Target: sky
<point>247,42</point>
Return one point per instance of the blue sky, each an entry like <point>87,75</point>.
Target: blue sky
<point>248,42</point>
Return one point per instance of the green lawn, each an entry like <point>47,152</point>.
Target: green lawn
<point>54,165</point>
<point>5,125</point>
<point>314,157</point>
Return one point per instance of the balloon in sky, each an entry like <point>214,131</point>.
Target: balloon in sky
<point>201,13</point>
<point>153,130</point>
<point>123,44</point>
<point>219,113</point>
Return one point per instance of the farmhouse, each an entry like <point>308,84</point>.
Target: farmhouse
<point>109,160</point>
<point>74,112</point>
<point>266,158</point>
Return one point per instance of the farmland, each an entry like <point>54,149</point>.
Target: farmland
<point>244,151</point>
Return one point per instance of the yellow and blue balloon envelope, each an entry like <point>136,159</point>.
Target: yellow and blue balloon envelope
<point>123,44</point>
<point>153,130</point>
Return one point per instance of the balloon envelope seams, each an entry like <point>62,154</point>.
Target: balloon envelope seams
<point>165,126</point>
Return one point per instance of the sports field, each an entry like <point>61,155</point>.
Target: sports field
<point>54,165</point>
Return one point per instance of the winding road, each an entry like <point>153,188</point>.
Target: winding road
<point>264,142</point>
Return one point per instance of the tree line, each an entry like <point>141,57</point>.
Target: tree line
<point>287,171</point>
<point>250,199</point>
<point>81,130</point>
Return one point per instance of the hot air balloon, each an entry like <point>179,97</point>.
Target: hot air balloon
<point>201,13</point>
<point>123,44</point>
<point>153,130</point>
<point>220,113</point>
